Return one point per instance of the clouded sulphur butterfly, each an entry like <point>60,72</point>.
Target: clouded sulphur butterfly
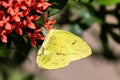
<point>60,48</point>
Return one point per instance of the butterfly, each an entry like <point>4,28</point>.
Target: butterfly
<point>60,48</point>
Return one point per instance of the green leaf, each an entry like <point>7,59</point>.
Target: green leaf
<point>85,1</point>
<point>75,28</point>
<point>57,6</point>
<point>107,2</point>
<point>40,21</point>
<point>3,51</point>
<point>16,75</point>
<point>22,49</point>
<point>90,20</point>
<point>87,17</point>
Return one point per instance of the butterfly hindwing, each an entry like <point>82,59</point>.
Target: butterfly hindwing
<point>53,53</point>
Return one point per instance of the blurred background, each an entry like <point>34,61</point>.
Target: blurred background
<point>96,21</point>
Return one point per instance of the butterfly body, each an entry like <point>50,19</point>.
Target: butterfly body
<point>60,48</point>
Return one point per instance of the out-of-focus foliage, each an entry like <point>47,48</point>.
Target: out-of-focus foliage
<point>58,5</point>
<point>79,15</point>
<point>106,2</point>
<point>18,74</point>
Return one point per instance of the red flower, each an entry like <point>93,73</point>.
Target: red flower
<point>35,36</point>
<point>41,5</point>
<point>16,15</point>
<point>14,12</point>
<point>48,23</point>
<point>6,3</point>
<point>4,20</point>
<point>18,28</point>
<point>1,14</point>
<point>3,34</point>
<point>29,21</point>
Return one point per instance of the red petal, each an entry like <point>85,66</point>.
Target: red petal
<point>4,38</point>
<point>24,13</point>
<point>4,4</point>
<point>10,1</point>
<point>40,37</point>
<point>11,11</point>
<point>42,0</point>
<point>17,19</point>
<point>8,26</point>
<point>46,5</point>
<point>31,25</point>
<point>1,14</point>
<point>37,31</point>
<point>51,22</point>
<point>24,22</point>
<point>48,27</point>
<point>39,11</point>
<point>24,7</point>
<point>34,17</point>
<point>8,31</point>
<point>2,23</point>
<point>18,30</point>
<point>33,42</point>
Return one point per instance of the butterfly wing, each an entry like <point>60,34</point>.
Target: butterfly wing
<point>76,47</point>
<point>60,48</point>
<point>53,53</point>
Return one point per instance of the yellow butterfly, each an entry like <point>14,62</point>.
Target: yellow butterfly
<point>60,48</point>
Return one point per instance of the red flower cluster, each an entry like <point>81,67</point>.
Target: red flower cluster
<point>48,23</point>
<point>16,15</point>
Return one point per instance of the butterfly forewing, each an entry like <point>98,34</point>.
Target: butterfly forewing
<point>53,53</point>
<point>77,47</point>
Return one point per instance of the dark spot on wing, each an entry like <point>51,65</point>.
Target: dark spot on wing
<point>55,63</point>
<point>51,37</point>
<point>49,59</point>
<point>78,49</point>
<point>62,46</point>
<point>60,53</point>
<point>59,38</point>
<point>54,43</point>
<point>46,48</point>
<point>74,42</point>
